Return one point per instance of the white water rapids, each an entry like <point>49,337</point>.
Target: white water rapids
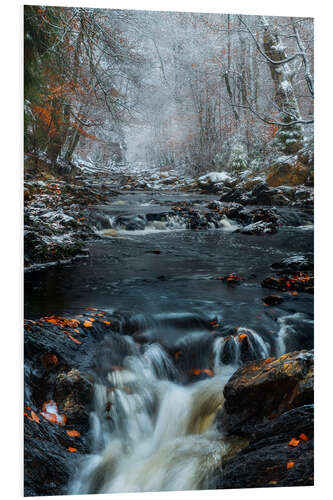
<point>151,433</point>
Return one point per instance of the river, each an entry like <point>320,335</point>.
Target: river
<point>163,280</point>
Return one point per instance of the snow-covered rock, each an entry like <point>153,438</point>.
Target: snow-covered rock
<point>214,177</point>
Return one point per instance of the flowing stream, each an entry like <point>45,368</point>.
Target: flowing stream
<point>152,427</point>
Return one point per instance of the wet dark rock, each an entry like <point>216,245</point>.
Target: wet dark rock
<point>262,194</point>
<point>73,393</point>
<point>259,227</point>
<point>230,194</point>
<point>58,361</point>
<point>273,300</point>
<point>131,223</point>
<point>299,282</point>
<point>263,389</point>
<point>294,264</point>
<point>268,463</point>
<point>44,477</point>
<point>269,403</point>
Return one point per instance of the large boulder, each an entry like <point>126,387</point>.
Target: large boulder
<point>214,181</point>
<point>280,453</point>
<point>284,173</point>
<point>269,404</point>
<point>263,389</point>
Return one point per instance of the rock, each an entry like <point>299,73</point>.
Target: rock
<point>73,393</point>
<point>213,181</point>
<point>269,403</point>
<point>294,264</point>
<point>269,459</point>
<point>230,194</point>
<point>273,300</point>
<point>259,227</point>
<point>286,173</point>
<point>48,464</point>
<point>131,223</point>
<point>262,194</point>
<point>299,282</point>
<point>27,194</point>
<point>264,389</point>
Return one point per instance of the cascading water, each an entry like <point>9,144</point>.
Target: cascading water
<point>245,345</point>
<point>151,433</point>
<point>116,225</point>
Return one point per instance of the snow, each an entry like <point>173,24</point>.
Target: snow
<point>286,86</point>
<point>214,177</point>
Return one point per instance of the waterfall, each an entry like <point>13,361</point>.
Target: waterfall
<point>149,432</point>
<point>244,345</point>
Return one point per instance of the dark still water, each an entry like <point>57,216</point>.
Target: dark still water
<point>165,279</point>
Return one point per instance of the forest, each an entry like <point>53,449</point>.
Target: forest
<point>168,250</point>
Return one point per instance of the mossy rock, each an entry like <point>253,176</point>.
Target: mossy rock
<point>282,174</point>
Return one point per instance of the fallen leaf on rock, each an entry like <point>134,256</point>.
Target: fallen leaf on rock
<point>294,442</point>
<point>107,322</point>
<point>87,324</point>
<point>76,330</point>
<point>242,336</point>
<point>290,464</point>
<point>91,309</point>
<point>198,371</point>
<point>304,437</point>
<point>91,319</point>
<point>74,339</point>
<point>58,320</point>
<point>73,433</point>
<point>72,450</point>
<point>34,417</point>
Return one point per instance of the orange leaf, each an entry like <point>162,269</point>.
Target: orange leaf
<point>176,355</point>
<point>87,324</point>
<point>72,450</point>
<point>107,322</point>
<point>74,340</point>
<point>76,330</point>
<point>304,437</point>
<point>208,372</point>
<point>91,319</point>
<point>242,336</point>
<point>58,320</point>
<point>294,442</point>
<point>290,464</point>
<point>73,433</point>
<point>91,309</point>
<point>34,417</point>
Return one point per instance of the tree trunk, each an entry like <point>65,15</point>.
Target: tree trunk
<point>291,138</point>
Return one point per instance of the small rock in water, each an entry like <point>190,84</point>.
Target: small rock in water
<point>272,300</point>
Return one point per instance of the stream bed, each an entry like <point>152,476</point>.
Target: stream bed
<point>165,283</point>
